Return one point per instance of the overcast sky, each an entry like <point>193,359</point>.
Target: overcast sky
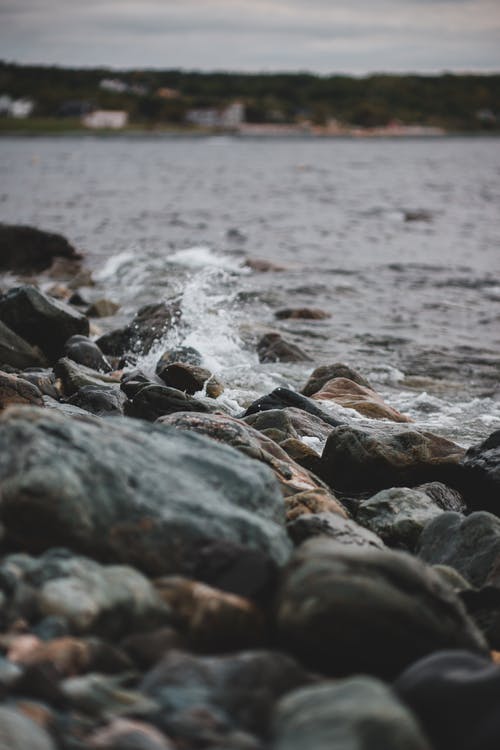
<point>350,36</point>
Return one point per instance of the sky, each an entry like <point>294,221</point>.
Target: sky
<point>323,36</point>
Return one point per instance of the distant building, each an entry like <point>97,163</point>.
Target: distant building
<point>166,93</point>
<point>114,85</point>
<point>106,118</point>
<point>19,108</point>
<point>230,117</point>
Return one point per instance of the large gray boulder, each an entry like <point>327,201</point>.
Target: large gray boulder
<point>125,491</point>
<point>344,609</point>
<point>359,713</point>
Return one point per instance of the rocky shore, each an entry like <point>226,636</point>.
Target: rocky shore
<point>173,575</point>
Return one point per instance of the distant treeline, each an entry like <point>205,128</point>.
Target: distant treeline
<point>455,102</point>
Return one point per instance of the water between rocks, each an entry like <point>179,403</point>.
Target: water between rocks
<point>398,240</point>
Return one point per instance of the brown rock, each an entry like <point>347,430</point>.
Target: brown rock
<point>323,374</point>
<point>120,734</point>
<point>16,390</point>
<point>301,313</point>
<point>312,502</point>
<point>102,308</point>
<point>364,400</point>
<point>272,347</point>
<point>212,620</point>
<point>190,379</point>
<point>69,656</point>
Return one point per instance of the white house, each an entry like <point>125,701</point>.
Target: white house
<point>113,119</point>
<point>19,108</point>
<point>230,117</point>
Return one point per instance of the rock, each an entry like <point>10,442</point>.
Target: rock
<point>149,325</point>
<point>344,609</point>
<point>132,382</point>
<point>471,545</point>
<point>186,354</point>
<point>102,308</point>
<point>69,656</point>
<point>59,291</point>
<point>282,398</point>
<point>42,321</point>
<point>359,713</point>
<point>83,351</point>
<point>211,620</point>
<point>73,412</point>
<point>321,375</point>
<point>17,732</point>
<point>446,497</point>
<point>454,695</point>
<point>24,249</point>
<point>154,401</point>
<point>313,502</point>
<point>340,529</point>
<point>238,690</point>
<point>301,313</point>
<point>354,461</point>
<point>480,481</point>
<point>287,423</point>
<point>398,516</point>
<point>103,696</point>
<point>190,379</point>
<point>262,265</point>
<point>16,390</point>
<point>78,299</point>
<point>350,395</point>
<point>292,478</point>
<point>44,380</point>
<point>272,347</point>
<point>147,648</point>
<point>100,400</point>
<point>120,490</point>
<point>124,734</point>
<point>75,376</point>
<point>17,352</point>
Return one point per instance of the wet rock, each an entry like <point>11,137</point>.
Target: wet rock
<point>124,734</point>
<point>154,401</point>
<point>69,410</point>
<point>282,398</point>
<point>74,376</point>
<point>83,351</point>
<point>454,695</point>
<point>398,516</point>
<point>42,321</point>
<point>211,620</point>
<point>78,299</point>
<point>480,480</point>
<point>238,690</point>
<point>16,390</point>
<point>272,347</point>
<point>186,354</point>
<point>343,610</point>
<point>359,713</point>
<point>100,400</point>
<point>321,375</point>
<point>367,402</point>
<point>281,425</point>
<point>262,265</point>
<point>312,502</point>
<point>149,325</point>
<point>17,352</point>
<point>132,382</point>
<point>293,479</point>
<point>24,249</point>
<point>357,461</point>
<point>120,490</point>
<point>17,732</point>
<point>190,379</point>
<point>471,545</point>
<point>102,696</point>
<point>147,648</point>
<point>446,497</point>
<point>102,308</point>
<point>69,656</point>
<point>341,530</point>
<point>44,380</point>
<point>301,313</point>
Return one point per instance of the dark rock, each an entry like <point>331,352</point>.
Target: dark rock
<point>17,732</point>
<point>321,375</point>
<point>366,401</point>
<point>102,308</point>
<point>355,461</point>
<point>44,380</point>
<point>78,299</point>
<point>69,410</point>
<point>282,398</point>
<point>272,347</point>
<point>190,379</point>
<point>446,497</point>
<point>471,545</point>
<point>121,490</point>
<point>398,516</point>
<point>480,481</point>
<point>83,351</point>
<point>102,696</point>
<point>149,325</point>
<point>147,648</point>
<point>16,390</point>
<point>454,695</point>
<point>132,382</point>
<point>124,734</point>
<point>359,713</point>
<point>154,401</point>
<point>100,400</point>
<point>75,376</point>
<point>17,352</point>
<point>42,321</point>
<point>288,423</point>
<point>209,619</point>
<point>340,529</point>
<point>186,354</point>
<point>28,250</point>
<point>238,690</point>
<point>344,609</point>
<point>301,313</point>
